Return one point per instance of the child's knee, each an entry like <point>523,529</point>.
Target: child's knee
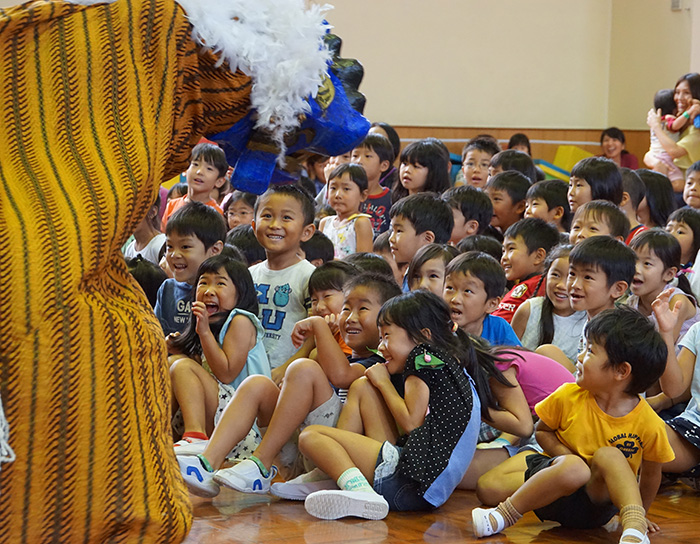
<point>182,366</point>
<point>607,457</point>
<point>303,369</point>
<point>257,384</point>
<point>572,472</point>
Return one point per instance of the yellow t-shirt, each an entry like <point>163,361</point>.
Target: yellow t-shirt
<point>690,141</point>
<point>583,427</point>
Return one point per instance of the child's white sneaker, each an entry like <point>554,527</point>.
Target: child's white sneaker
<point>298,488</point>
<point>334,504</point>
<point>199,481</point>
<point>245,477</point>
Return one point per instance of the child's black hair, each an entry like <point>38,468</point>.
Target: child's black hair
<point>293,191</point>
<point>481,242</point>
<point>546,332</point>
<point>428,253</point>
<point>233,252</point>
<point>381,242</point>
<point>249,198</point>
<point>602,175</point>
<point>369,262</point>
<point>520,139</point>
<point>179,188</point>
<point>667,249</point>
<point>512,159</point>
<point>148,275</point>
<point>554,193</point>
<point>421,310</point>
<point>393,137</point>
<point>512,182</point>
<point>629,337</point>
<point>536,233</point>
<point>612,257</point>
<point>482,143</point>
<point>475,205</point>
<point>633,185</point>
<point>384,286</point>
<point>426,212</point>
<point>355,172</point>
<point>319,246</point>
<point>379,145</point>
<point>199,220</point>
<point>243,237</point>
<point>331,275</point>
<point>690,217</point>
<point>695,167</point>
<point>483,267</point>
<point>607,212</point>
<point>431,156</point>
<point>660,198</point>
<point>663,100</point>
<point>247,299</point>
<point>211,154</point>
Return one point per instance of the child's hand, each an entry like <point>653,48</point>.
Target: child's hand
<point>303,330</point>
<point>652,527</point>
<point>665,317</point>
<point>654,118</point>
<point>332,321</point>
<point>199,312</point>
<point>377,374</point>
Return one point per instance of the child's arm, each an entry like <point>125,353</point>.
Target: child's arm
<point>515,417</point>
<point>549,441</point>
<point>519,322</point>
<point>363,235</point>
<point>678,123</point>
<point>679,370</point>
<point>329,354</point>
<point>322,223</point>
<point>226,361</point>
<point>409,412</point>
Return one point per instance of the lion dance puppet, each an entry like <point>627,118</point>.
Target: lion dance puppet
<point>100,103</point>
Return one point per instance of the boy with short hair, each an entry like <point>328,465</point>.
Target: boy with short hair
<point>474,286</point>
<point>375,154</point>
<point>472,211</point>
<point>525,248</point>
<point>507,192</point>
<point>207,171</point>
<point>691,189</point>
<point>633,192</point>
<point>476,157</point>
<point>418,220</point>
<point>596,434</point>
<point>512,159</point>
<point>318,249</point>
<point>599,218</point>
<point>594,178</point>
<point>306,398</point>
<point>382,248</point>
<point>547,200</point>
<point>284,218</point>
<point>194,233</point>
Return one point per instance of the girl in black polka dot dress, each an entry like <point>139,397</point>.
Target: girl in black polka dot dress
<point>436,422</point>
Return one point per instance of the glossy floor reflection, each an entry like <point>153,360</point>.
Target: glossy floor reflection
<point>236,517</point>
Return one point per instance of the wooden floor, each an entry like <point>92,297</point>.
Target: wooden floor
<point>236,517</point>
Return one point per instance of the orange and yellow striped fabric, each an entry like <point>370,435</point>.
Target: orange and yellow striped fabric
<point>98,105</point>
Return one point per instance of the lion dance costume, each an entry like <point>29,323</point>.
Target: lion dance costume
<point>101,102</point>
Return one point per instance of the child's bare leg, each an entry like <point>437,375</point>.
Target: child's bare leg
<point>687,455</point>
<point>197,393</point>
<point>335,450</point>
<point>305,388</point>
<point>254,399</point>
<point>500,482</point>
<point>565,475</point>
<point>482,462</point>
<point>366,413</point>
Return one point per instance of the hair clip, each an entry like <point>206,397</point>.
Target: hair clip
<point>684,271</point>
<point>454,327</point>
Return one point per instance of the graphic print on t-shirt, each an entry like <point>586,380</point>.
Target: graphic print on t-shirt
<point>272,320</point>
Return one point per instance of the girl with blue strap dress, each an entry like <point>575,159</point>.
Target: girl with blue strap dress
<point>221,346</point>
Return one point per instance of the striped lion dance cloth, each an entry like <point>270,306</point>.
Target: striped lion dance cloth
<point>100,104</point>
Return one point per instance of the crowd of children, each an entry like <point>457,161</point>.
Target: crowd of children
<point>398,334</point>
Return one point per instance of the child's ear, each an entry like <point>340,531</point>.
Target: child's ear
<point>308,232</point>
<point>625,199</point>
<point>215,249</point>
<point>540,256</point>
<point>363,195</point>
<point>427,333</point>
<point>220,183</point>
<point>558,213</point>
<point>623,371</point>
<point>428,236</point>
<point>618,289</point>
<point>492,304</point>
<point>252,224</point>
<point>472,227</point>
<point>384,166</point>
<point>620,239</point>
<point>669,274</point>
<point>520,207</point>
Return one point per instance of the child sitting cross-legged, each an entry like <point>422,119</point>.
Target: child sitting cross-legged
<point>525,248</point>
<point>306,396</point>
<point>596,434</point>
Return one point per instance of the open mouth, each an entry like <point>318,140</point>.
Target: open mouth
<point>212,308</point>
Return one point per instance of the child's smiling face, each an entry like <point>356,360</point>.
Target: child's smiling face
<point>217,291</point>
<point>358,320</point>
<point>184,254</point>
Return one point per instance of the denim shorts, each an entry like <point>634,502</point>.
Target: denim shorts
<point>399,491</point>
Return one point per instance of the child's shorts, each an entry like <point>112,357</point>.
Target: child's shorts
<point>575,511</point>
<point>399,491</point>
<point>691,432</point>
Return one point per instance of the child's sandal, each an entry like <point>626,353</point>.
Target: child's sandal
<point>642,538</point>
